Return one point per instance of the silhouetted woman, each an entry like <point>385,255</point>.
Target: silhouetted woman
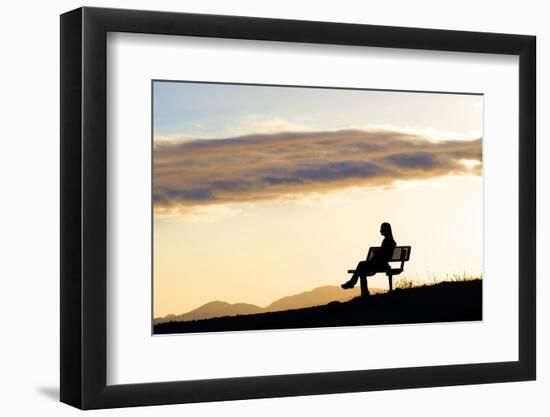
<point>378,262</point>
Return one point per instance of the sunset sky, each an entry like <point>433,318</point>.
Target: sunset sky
<point>261,192</point>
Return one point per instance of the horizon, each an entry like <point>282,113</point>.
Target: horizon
<point>262,192</point>
<point>255,305</point>
<point>373,290</point>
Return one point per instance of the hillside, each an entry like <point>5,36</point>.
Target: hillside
<point>443,302</point>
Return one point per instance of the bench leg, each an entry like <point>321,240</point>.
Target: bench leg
<point>390,282</point>
<point>364,286</point>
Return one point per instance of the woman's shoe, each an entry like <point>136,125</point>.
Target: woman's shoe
<point>347,285</point>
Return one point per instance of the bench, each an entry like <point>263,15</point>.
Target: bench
<point>400,254</point>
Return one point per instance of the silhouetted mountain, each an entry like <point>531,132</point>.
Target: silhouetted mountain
<point>443,302</point>
<point>213,309</point>
<point>315,297</point>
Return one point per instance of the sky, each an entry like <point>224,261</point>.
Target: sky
<point>261,192</point>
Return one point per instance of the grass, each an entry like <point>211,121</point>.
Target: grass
<point>408,283</point>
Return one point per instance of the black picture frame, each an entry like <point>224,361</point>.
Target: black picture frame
<point>84,207</point>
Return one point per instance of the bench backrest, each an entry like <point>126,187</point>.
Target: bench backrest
<point>400,253</point>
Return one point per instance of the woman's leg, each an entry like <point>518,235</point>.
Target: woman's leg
<point>360,270</point>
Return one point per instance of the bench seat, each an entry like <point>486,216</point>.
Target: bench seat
<point>400,254</point>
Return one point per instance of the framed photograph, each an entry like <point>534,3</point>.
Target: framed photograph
<point>259,208</point>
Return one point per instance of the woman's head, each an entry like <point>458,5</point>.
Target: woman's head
<point>385,229</point>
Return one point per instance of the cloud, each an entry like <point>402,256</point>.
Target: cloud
<point>288,165</point>
<point>420,160</point>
